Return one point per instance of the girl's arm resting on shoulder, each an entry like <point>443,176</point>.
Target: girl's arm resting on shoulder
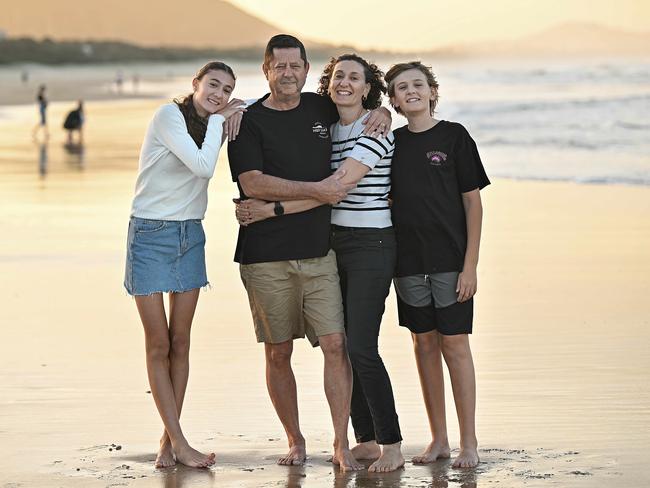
<point>232,126</point>
<point>172,132</point>
<point>467,281</point>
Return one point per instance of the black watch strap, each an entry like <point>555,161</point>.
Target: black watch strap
<point>278,209</point>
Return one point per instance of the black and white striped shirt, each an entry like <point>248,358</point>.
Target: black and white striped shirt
<point>367,204</point>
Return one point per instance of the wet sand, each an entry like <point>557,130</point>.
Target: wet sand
<point>561,340</point>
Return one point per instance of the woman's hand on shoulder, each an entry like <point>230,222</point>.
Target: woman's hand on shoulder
<point>377,122</point>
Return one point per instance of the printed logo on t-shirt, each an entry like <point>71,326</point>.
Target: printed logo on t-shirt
<point>436,158</point>
<point>320,129</point>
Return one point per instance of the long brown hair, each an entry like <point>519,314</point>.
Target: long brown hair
<point>197,125</point>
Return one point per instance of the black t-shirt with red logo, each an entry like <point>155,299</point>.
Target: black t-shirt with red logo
<point>431,170</point>
<point>294,145</point>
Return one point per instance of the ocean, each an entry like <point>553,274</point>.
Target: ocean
<point>585,120</point>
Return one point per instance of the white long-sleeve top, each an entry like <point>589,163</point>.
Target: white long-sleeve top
<point>174,173</point>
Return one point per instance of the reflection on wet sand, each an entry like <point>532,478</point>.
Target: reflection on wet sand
<point>75,155</point>
<point>42,158</point>
<point>73,158</point>
<point>181,476</point>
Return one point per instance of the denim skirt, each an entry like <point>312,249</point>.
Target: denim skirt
<point>164,256</point>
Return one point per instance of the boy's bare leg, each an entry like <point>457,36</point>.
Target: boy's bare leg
<point>338,390</point>
<point>458,357</point>
<point>281,384</point>
<point>157,345</point>
<point>428,358</point>
<point>181,313</point>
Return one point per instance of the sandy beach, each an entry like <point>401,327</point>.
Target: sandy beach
<point>561,337</point>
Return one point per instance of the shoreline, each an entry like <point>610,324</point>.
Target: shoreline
<point>16,121</point>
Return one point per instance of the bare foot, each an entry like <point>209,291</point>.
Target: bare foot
<point>391,459</point>
<point>366,451</point>
<point>345,460</point>
<point>296,456</point>
<point>165,457</point>
<point>468,458</point>
<point>189,456</point>
<point>433,452</point>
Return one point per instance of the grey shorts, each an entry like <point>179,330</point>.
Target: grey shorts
<point>429,302</point>
<point>291,299</point>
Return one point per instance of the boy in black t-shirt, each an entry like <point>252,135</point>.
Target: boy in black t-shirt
<point>436,177</point>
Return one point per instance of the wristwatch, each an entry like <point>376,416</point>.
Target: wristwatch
<point>278,209</point>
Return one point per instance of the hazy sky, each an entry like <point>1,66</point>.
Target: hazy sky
<point>414,24</point>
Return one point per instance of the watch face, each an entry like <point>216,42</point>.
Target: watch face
<point>278,209</point>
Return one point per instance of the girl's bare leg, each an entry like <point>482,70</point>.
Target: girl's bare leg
<point>181,314</point>
<point>158,345</point>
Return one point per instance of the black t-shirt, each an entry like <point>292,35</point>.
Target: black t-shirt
<point>291,144</point>
<point>431,170</point>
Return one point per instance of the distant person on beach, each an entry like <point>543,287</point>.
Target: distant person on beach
<point>283,153</point>
<point>135,82</point>
<point>165,248</point>
<point>363,239</point>
<point>437,213</point>
<point>74,122</point>
<point>119,81</point>
<point>41,99</point>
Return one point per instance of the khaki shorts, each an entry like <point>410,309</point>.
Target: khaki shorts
<point>291,299</point>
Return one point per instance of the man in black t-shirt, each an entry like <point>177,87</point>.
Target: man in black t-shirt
<point>282,152</point>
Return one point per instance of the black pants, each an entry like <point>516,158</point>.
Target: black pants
<point>366,262</point>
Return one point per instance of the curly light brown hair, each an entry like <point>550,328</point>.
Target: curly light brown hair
<point>398,69</point>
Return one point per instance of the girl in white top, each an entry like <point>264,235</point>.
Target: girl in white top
<point>165,251</point>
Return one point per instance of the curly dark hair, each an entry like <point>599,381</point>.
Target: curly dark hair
<point>371,72</point>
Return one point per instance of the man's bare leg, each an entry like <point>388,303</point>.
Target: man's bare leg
<point>429,362</point>
<point>157,345</point>
<point>338,390</point>
<point>181,313</point>
<point>458,357</point>
<point>281,384</point>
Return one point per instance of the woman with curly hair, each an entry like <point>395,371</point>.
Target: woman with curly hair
<point>362,237</point>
